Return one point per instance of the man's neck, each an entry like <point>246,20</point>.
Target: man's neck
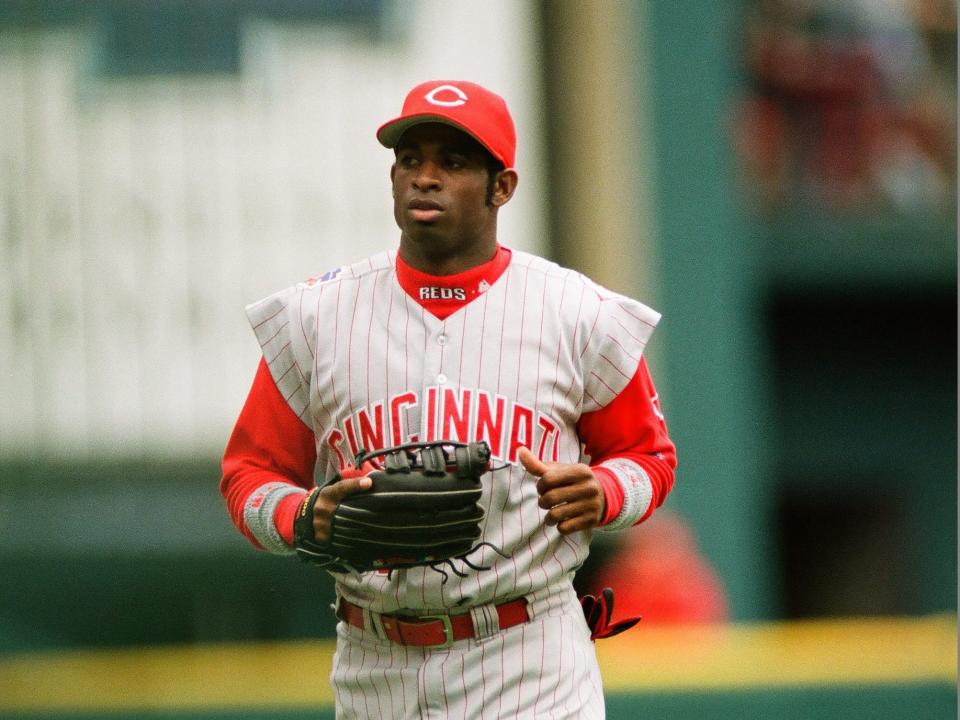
<point>449,263</point>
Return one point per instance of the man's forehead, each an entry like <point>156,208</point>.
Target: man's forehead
<point>435,133</point>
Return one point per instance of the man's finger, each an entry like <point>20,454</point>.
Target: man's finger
<point>566,494</point>
<point>581,522</point>
<point>573,517</point>
<point>568,511</point>
<point>531,463</point>
<point>565,477</point>
<point>349,486</point>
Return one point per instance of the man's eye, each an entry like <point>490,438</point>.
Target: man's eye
<point>455,162</point>
<point>406,161</point>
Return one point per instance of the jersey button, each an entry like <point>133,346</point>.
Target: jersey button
<point>441,378</point>
<point>441,339</point>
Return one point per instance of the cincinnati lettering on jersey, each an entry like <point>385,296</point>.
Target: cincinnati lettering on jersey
<point>442,293</point>
<point>458,415</point>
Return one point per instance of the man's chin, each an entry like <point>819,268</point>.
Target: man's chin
<point>427,234</point>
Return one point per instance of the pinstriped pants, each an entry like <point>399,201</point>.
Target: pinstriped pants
<point>545,668</point>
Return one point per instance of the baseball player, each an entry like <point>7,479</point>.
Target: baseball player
<point>456,337</point>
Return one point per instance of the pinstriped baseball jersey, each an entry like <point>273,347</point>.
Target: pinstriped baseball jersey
<point>365,366</point>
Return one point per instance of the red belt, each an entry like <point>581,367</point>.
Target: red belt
<point>432,630</point>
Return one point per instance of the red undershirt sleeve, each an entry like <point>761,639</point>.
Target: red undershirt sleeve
<point>267,466</point>
<point>630,430</point>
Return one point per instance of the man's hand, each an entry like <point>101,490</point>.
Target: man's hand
<point>330,496</point>
<point>571,494</point>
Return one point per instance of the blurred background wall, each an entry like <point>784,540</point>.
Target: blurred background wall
<point>163,165</point>
<point>778,177</point>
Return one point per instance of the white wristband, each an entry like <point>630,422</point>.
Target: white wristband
<point>637,492</point>
<point>258,515</point>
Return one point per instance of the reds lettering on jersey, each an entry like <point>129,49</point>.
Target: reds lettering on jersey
<point>442,293</point>
<point>366,366</point>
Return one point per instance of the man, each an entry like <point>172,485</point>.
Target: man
<point>459,338</point>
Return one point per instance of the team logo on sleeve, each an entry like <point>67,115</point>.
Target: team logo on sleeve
<point>655,402</point>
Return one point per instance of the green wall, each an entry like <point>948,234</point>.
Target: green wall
<point>714,385</point>
<point>810,361</point>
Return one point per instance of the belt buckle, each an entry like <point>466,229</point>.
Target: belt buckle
<point>447,629</point>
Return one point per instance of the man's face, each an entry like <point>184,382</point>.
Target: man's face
<point>440,182</point>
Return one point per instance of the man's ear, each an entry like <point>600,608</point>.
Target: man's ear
<point>504,185</point>
<point>393,171</point>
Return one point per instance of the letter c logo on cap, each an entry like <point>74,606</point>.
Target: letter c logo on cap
<point>461,96</point>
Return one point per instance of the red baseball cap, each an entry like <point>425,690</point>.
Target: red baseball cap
<point>464,105</point>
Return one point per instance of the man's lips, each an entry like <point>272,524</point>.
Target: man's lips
<point>423,210</point>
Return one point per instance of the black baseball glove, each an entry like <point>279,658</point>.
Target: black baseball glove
<point>422,510</point>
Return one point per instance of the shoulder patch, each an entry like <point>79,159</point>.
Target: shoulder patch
<point>326,277</point>
<point>372,264</point>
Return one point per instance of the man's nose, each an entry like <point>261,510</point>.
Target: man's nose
<point>427,176</point>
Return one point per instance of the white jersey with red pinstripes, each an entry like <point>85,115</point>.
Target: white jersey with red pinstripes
<point>364,365</point>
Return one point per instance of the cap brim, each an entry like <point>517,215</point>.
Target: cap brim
<point>391,131</point>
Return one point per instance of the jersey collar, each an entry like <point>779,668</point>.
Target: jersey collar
<point>442,295</point>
